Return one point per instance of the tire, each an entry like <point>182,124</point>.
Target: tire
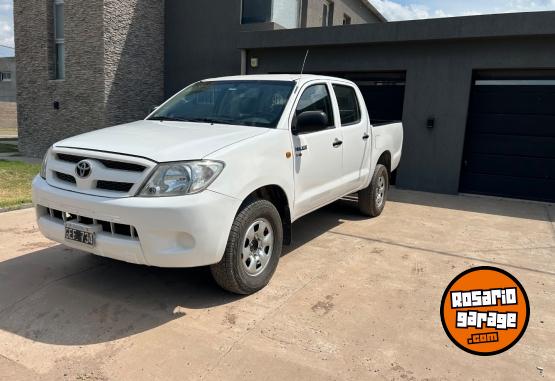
<point>372,200</point>
<point>245,267</point>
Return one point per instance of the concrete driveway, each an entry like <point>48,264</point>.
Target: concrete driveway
<point>353,299</point>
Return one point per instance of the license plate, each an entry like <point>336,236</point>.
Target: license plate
<point>75,234</point>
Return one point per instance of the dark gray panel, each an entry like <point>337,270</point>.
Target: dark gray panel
<point>515,25</point>
<point>514,166</point>
<point>510,142</point>
<point>514,100</point>
<point>507,124</point>
<point>201,41</point>
<point>511,145</point>
<point>507,186</point>
<point>384,102</point>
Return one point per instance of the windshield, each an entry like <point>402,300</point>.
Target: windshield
<point>247,103</point>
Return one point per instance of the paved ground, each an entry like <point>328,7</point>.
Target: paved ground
<point>11,156</point>
<point>16,157</point>
<point>352,299</point>
<point>8,119</point>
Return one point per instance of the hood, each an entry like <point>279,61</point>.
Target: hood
<point>163,141</point>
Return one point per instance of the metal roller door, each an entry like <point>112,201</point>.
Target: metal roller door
<point>383,92</point>
<point>510,139</point>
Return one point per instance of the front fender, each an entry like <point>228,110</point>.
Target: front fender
<point>255,163</point>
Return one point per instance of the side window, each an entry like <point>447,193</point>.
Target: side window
<point>5,76</point>
<point>59,39</point>
<point>349,109</point>
<point>316,98</point>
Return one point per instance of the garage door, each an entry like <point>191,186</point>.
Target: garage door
<point>510,139</point>
<point>384,95</point>
<point>383,92</point>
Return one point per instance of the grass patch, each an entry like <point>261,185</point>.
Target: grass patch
<point>8,148</point>
<point>15,182</point>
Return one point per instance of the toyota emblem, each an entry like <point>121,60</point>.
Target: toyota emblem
<point>83,169</point>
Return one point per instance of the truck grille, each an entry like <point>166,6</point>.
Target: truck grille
<point>66,178</point>
<point>109,175</point>
<point>108,227</point>
<point>114,186</point>
<point>107,163</point>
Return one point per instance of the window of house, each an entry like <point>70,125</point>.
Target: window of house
<point>5,76</point>
<point>256,11</point>
<point>346,19</point>
<point>286,13</point>
<point>347,100</point>
<point>59,39</point>
<point>327,13</point>
<point>316,98</point>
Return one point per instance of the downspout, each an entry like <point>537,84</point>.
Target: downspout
<point>243,62</point>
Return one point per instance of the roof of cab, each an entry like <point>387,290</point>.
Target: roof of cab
<point>277,77</point>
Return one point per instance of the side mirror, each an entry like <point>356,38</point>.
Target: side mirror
<point>310,121</point>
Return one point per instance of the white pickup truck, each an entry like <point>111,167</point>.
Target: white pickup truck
<point>217,174</point>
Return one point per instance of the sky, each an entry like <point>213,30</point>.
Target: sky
<point>6,27</point>
<point>422,9</point>
<point>392,9</point>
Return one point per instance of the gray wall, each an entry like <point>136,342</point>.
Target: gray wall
<point>438,74</point>
<point>114,67</point>
<point>8,89</point>
<point>81,94</point>
<point>201,41</point>
<point>202,37</point>
<point>133,58</point>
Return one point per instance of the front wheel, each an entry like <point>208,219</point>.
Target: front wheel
<point>253,249</point>
<point>371,200</point>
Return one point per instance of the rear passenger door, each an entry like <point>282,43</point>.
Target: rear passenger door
<point>356,136</point>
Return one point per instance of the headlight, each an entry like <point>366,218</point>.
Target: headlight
<point>178,179</point>
<point>44,163</point>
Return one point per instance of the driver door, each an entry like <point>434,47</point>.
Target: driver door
<point>318,154</point>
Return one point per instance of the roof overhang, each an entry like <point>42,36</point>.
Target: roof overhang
<point>509,25</point>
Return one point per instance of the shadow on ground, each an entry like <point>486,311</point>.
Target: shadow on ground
<point>317,223</point>
<point>63,296</point>
<point>476,204</point>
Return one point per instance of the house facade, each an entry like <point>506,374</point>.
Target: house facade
<point>85,66</point>
<point>308,13</point>
<point>475,93</point>
<point>7,79</point>
<point>213,40</point>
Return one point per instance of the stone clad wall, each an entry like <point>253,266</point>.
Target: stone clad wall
<point>114,67</point>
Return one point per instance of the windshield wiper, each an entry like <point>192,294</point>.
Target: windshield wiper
<point>210,120</point>
<point>193,120</point>
<point>168,118</point>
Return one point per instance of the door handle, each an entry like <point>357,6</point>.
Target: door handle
<point>337,143</point>
<point>365,136</point>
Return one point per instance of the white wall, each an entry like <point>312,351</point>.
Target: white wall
<point>286,13</point>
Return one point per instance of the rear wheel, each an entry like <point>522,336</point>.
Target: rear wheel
<point>371,200</point>
<point>253,249</point>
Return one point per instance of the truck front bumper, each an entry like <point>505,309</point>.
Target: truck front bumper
<point>185,231</point>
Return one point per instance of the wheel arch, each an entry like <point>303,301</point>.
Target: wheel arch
<point>385,159</point>
<point>277,196</point>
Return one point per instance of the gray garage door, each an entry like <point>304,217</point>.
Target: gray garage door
<point>383,92</point>
<point>384,95</point>
<point>510,139</point>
